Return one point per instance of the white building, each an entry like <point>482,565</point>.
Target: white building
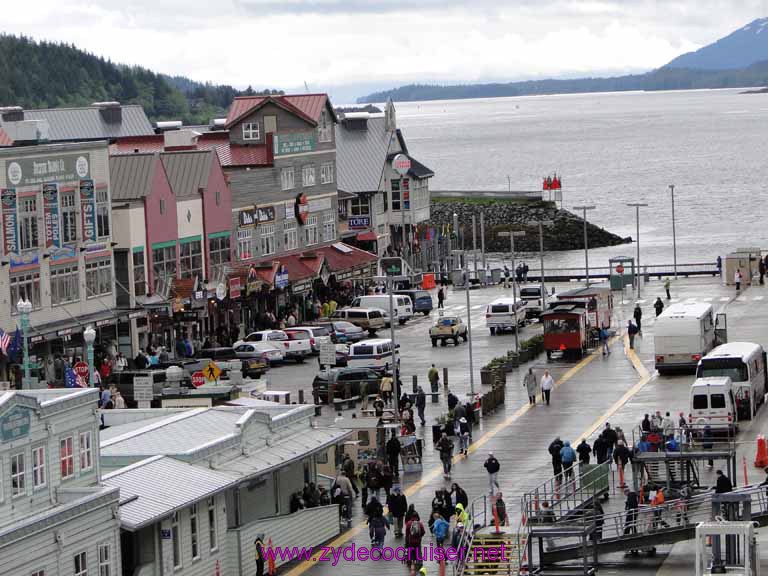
<point>55,518</point>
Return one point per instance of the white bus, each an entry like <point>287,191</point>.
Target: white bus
<point>744,363</point>
<point>683,335</point>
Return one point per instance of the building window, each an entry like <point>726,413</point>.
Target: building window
<point>98,278</point>
<point>361,206</point>
<point>68,218</point>
<point>310,230</point>
<point>66,457</point>
<point>162,206</point>
<point>81,564</point>
<point>326,173</point>
<point>26,286</point>
<point>86,451</point>
<point>38,573</point>
<point>102,213</point>
<point>38,467</point>
<point>190,259</point>
<point>212,536</point>
<point>308,175</point>
<point>395,194</point>
<point>286,178</point>
<point>219,251</point>
<point>329,226</point>
<point>163,264</point>
<point>325,127</point>
<point>245,244</point>
<point>218,197</point>
<point>176,540</point>
<point>193,535</point>
<point>28,223</point>
<point>18,476</point>
<point>139,274</point>
<point>251,131</point>
<point>105,560</point>
<point>65,285</point>
<point>267,239</point>
<point>290,236</point>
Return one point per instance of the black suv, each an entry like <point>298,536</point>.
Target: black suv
<point>344,383</point>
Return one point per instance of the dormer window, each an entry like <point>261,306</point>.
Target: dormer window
<point>251,131</point>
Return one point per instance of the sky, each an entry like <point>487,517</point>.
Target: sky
<point>355,46</point>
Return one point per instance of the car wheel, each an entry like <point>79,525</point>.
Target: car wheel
<point>493,331</point>
<point>300,360</point>
<point>443,342</point>
<point>465,337</point>
<point>426,312</point>
<point>434,342</point>
<point>455,340</point>
<point>402,321</point>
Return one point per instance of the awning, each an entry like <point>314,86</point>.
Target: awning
<point>304,266</point>
<point>78,323</point>
<point>342,257</point>
<point>368,236</point>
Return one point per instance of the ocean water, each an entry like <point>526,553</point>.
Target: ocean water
<point>610,149</point>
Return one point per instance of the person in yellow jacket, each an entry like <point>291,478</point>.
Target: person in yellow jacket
<point>461,515</point>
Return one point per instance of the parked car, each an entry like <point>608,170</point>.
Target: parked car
<point>296,349</point>
<point>344,383</point>
<point>402,307</point>
<point>342,331</point>
<point>266,352</point>
<point>534,295</point>
<point>317,335</point>
<point>448,328</point>
<point>422,300</point>
<point>505,314</point>
<point>227,359</point>
<point>370,319</point>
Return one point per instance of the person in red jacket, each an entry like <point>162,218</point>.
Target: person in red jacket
<point>414,532</point>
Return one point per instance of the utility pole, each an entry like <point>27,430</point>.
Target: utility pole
<point>586,240</point>
<point>541,224</point>
<point>474,242</point>
<point>512,234</point>
<point>482,239</point>
<point>637,206</point>
<point>674,235</point>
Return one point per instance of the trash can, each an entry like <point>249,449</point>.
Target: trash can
<point>496,275</point>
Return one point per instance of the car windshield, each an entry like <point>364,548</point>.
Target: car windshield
<point>320,331</point>
<point>345,326</point>
<point>278,336</point>
<point>734,368</point>
<point>500,309</point>
<point>298,335</point>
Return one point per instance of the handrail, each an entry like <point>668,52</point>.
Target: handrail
<point>475,519</point>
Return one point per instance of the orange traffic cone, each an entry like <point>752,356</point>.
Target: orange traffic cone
<point>761,459</point>
<point>271,559</point>
<point>746,479</point>
<point>442,567</point>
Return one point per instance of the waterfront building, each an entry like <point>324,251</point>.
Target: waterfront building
<point>55,517</point>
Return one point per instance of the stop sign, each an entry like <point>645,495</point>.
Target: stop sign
<point>198,379</point>
<point>81,369</point>
<point>620,269</point>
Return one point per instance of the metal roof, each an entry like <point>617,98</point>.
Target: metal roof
<point>187,171</point>
<point>361,156</point>
<point>131,175</point>
<point>154,488</point>
<point>417,170</point>
<point>306,106</point>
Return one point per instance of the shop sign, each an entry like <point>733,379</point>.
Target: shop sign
<point>106,322</point>
<point>185,316</point>
<point>60,168</point>
<point>221,291</point>
<point>252,280</point>
<point>28,259</point>
<point>301,287</point>
<point>266,214</point>
<point>51,215</point>
<point>63,253</point>
<point>246,218</point>
<point>295,143</point>
<point>320,204</point>
<point>36,339</point>
<point>281,278</point>
<point>301,209</point>
<point>10,233</point>
<point>360,222</point>
<point>325,273</point>
<point>234,288</point>
<point>88,208</point>
<point>15,423</point>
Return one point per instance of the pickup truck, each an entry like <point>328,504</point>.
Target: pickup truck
<point>448,328</point>
<point>293,349</point>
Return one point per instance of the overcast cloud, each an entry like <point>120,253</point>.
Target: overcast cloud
<point>326,43</point>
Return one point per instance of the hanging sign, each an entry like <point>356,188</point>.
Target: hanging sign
<point>88,208</point>
<point>51,215</point>
<point>301,209</point>
<point>10,233</point>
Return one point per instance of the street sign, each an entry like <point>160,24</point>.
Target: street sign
<point>619,269</point>
<point>392,266</point>
<point>212,372</point>
<point>81,369</point>
<point>142,391</point>
<point>327,354</point>
<point>198,379</point>
<point>401,164</point>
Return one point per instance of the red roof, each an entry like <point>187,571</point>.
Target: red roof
<point>310,104</point>
<point>5,140</point>
<point>302,266</point>
<point>307,106</point>
<point>264,272</point>
<point>347,259</point>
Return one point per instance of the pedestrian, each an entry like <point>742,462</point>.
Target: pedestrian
<point>554,451</point>
<point>657,504</point>
<point>658,306</point>
<point>737,279</point>
<point>387,479</point>
<point>463,436</point>
<point>567,457</point>
<point>666,289</point>
<point>723,484</point>
<point>611,437</point>
<point>525,272</point>
<point>377,530</point>
<point>632,331</point>
<point>440,298</point>
<point>621,456</point>
<point>180,348</point>
<point>583,451</point>
<point>421,404</point>
<point>603,335</point>
<point>439,528</point>
<point>501,509</point>
<point>630,519</point>
<point>547,383</point>
<point>638,316</point>
<point>348,466</point>
<point>530,385</point>
<point>600,448</point>
<point>492,466</point>
<point>378,407</point>
<point>761,269</point>
<point>645,425</point>
<point>453,400</point>
<point>668,426</point>
<point>397,504</point>
<point>342,492</point>
<point>462,517</point>
<point>506,276</point>
<point>445,446</point>
<point>414,532</point>
<point>434,378</point>
<point>385,387</point>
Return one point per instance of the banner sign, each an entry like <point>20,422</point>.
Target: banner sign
<point>295,143</point>
<point>15,423</point>
<point>88,208</point>
<point>10,231</point>
<point>234,288</point>
<point>64,253</point>
<point>281,278</point>
<point>246,218</point>
<point>51,212</point>
<point>60,168</point>
<point>359,222</point>
<point>252,280</point>
<point>301,208</point>
<point>266,214</point>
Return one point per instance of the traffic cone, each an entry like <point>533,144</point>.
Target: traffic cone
<point>744,461</point>
<point>442,567</point>
<point>621,477</point>
<point>271,559</point>
<point>761,459</point>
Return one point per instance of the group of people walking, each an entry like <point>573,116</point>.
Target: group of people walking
<point>531,385</point>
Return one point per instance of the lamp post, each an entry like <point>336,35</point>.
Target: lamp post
<point>541,224</point>
<point>89,335</point>
<point>637,206</point>
<point>674,235</point>
<point>512,235</point>
<point>586,241</point>
<point>24,307</point>
<point>469,335</point>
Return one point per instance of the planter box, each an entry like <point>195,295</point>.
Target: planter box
<point>486,377</point>
<point>437,431</point>
<point>524,357</point>
<point>510,365</point>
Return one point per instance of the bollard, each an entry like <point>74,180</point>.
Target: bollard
<point>301,396</point>
<point>288,398</point>
<point>445,377</point>
<point>415,383</point>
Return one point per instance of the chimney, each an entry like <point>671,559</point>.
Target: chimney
<point>111,112</point>
<point>11,113</point>
<point>270,143</point>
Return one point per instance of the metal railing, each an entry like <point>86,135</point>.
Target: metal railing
<point>478,518</point>
<point>578,272</point>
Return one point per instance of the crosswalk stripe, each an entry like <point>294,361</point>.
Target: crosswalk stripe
<point>724,299</point>
<point>707,299</point>
<point>758,297</point>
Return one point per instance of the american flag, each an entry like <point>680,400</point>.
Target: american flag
<point>5,340</point>
<point>73,380</point>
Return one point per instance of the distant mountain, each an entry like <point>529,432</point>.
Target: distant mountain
<point>739,49</point>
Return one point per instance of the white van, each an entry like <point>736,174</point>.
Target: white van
<point>683,334</point>
<point>500,314</point>
<point>744,363</point>
<point>375,353</point>
<point>402,307</point>
<point>713,404</point>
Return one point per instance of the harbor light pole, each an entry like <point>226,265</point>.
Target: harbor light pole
<point>541,224</point>
<point>24,307</point>
<point>469,335</point>
<point>89,335</point>
<point>674,235</point>
<point>512,234</point>
<point>637,206</point>
<point>586,241</point>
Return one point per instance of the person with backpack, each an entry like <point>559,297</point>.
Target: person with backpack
<point>377,530</point>
<point>445,446</point>
<point>632,331</point>
<point>567,457</point>
<point>374,479</point>
<point>393,449</point>
<point>603,335</point>
<point>658,306</point>
<point>398,505</point>
<point>439,528</point>
<point>348,465</point>
<point>554,451</point>
<point>414,532</point>
<point>492,466</point>
<point>583,450</point>
<point>459,497</point>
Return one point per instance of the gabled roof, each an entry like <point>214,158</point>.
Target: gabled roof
<point>187,171</point>
<point>306,106</point>
<point>361,156</point>
<point>418,170</point>
<point>311,104</point>
<point>131,175</point>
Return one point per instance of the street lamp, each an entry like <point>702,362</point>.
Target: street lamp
<point>674,235</point>
<point>541,224</point>
<point>512,235</point>
<point>586,242</point>
<point>89,335</point>
<point>24,307</point>
<point>637,206</point>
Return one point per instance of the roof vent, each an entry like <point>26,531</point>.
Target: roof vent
<point>111,112</point>
<point>162,126</point>
<point>180,139</point>
<point>11,113</point>
<point>217,123</point>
